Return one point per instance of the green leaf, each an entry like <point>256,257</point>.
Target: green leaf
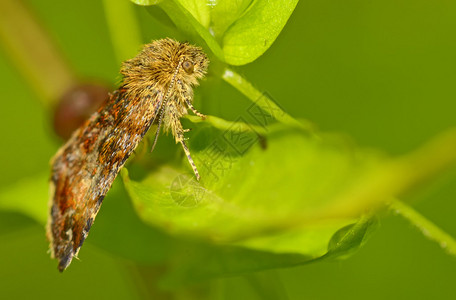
<point>256,207</point>
<point>251,35</point>
<point>237,32</point>
<point>281,192</point>
<point>251,196</point>
<point>186,21</point>
<point>224,13</point>
<point>199,10</point>
<point>351,237</point>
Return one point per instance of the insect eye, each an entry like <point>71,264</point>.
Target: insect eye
<point>188,66</point>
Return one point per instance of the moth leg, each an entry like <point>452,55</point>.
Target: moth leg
<point>193,109</point>
<point>178,132</point>
<point>190,160</point>
<point>188,96</point>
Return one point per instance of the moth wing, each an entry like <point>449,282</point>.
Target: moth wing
<point>84,169</point>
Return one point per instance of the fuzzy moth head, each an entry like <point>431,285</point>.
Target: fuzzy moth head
<point>161,61</point>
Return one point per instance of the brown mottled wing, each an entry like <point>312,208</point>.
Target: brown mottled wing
<point>84,169</point>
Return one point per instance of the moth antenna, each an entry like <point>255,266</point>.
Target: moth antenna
<point>160,119</point>
<point>162,106</point>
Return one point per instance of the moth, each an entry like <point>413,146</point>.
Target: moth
<point>156,89</point>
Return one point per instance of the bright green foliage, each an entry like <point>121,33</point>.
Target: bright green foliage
<point>349,238</point>
<point>200,10</point>
<point>225,13</point>
<point>251,35</point>
<point>254,190</point>
<point>237,32</point>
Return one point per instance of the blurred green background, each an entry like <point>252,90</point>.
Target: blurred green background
<point>383,72</point>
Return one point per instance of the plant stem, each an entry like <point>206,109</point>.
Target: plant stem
<point>429,229</point>
<point>222,124</point>
<point>263,100</point>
